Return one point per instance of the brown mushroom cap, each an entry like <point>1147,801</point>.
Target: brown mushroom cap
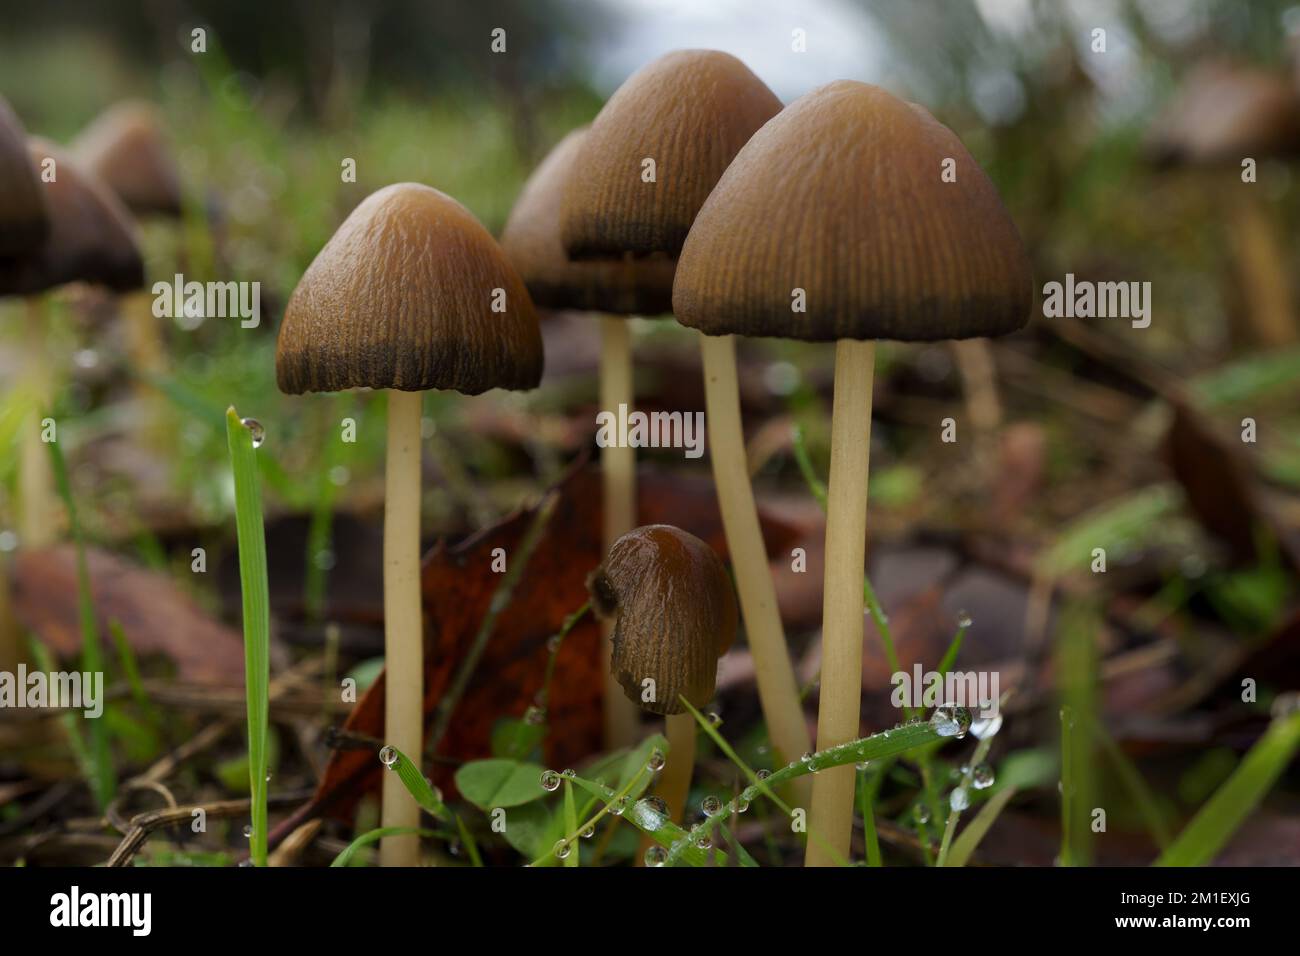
<point>126,148</point>
<point>842,196</point>
<point>24,222</point>
<point>91,238</point>
<point>401,297</point>
<point>675,614</point>
<point>689,111</point>
<point>532,241</point>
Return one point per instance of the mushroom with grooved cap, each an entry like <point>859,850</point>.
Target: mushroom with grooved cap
<point>834,223</point>
<point>411,293</point>
<point>642,172</point>
<point>674,614</point>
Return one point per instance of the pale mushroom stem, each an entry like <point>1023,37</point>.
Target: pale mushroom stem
<point>1263,275</point>
<point>403,630</point>
<point>831,815</point>
<point>618,471</point>
<point>35,480</point>
<point>778,693</point>
<point>675,780</point>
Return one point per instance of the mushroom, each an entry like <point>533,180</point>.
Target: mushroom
<point>24,221</point>
<point>1224,114</point>
<point>612,289</point>
<point>91,239</point>
<point>688,112</point>
<point>673,613</point>
<point>126,148</point>
<point>410,294</point>
<point>841,197</point>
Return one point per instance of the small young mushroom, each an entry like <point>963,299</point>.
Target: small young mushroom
<point>651,158</point>
<point>836,223</point>
<point>90,238</point>
<point>673,612</point>
<point>612,289</point>
<point>411,293</point>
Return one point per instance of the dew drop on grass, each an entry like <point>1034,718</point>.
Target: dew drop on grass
<point>985,727</point>
<point>1284,705</point>
<point>950,721</point>
<point>656,761</point>
<point>619,806</point>
<point>704,842</point>
<point>248,831</point>
<point>562,849</point>
<point>256,427</point>
<point>964,619</point>
<point>650,812</point>
<point>921,812</point>
<point>550,780</point>
<point>959,799</point>
<point>388,757</point>
<point>763,774</point>
<point>535,716</point>
<point>248,863</point>
<point>711,806</point>
<point>740,803</point>
<point>588,831</point>
<point>656,856</point>
<point>568,774</point>
<point>715,719</point>
<point>982,777</point>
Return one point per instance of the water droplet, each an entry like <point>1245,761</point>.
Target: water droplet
<point>985,727</point>
<point>588,831</point>
<point>248,863</point>
<point>535,716</point>
<point>959,799</point>
<point>807,758</point>
<point>950,721</point>
<point>982,777</point>
<point>568,773</point>
<point>248,831</point>
<point>656,761</point>
<point>715,719</point>
<point>8,540</point>
<point>562,849</point>
<point>763,774</point>
<point>1284,705</point>
<point>863,766</point>
<point>1067,717</point>
<point>268,776</point>
<point>254,426</point>
<point>553,643</point>
<point>656,856</point>
<point>619,806</point>
<point>711,806</point>
<point>650,812</point>
<point>921,813</point>
<point>740,803</point>
<point>388,757</point>
<point>704,842</point>
<point>964,619</point>
<point>550,780</point>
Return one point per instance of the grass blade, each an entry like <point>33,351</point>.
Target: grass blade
<point>1237,798</point>
<point>413,780</point>
<point>102,782</point>
<point>969,840</point>
<point>257,618</point>
<point>373,836</point>
<point>571,826</point>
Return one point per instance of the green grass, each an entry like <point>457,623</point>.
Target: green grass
<point>257,619</point>
<point>1221,816</point>
<point>99,760</point>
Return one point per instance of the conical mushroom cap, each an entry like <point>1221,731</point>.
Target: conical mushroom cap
<point>690,111</point>
<point>675,614</point>
<point>24,221</point>
<point>1225,113</point>
<point>91,237</point>
<point>843,196</point>
<point>126,148</point>
<point>532,241</point>
<point>402,297</point>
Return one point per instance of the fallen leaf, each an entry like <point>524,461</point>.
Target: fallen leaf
<point>156,616</point>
